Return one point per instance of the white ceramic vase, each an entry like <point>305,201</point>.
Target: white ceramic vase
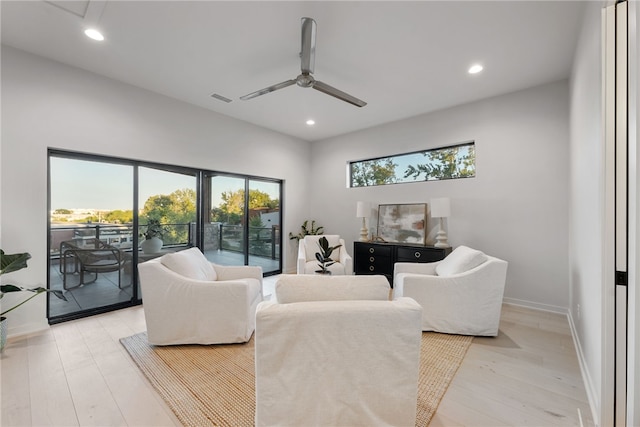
<point>151,246</point>
<point>3,332</point>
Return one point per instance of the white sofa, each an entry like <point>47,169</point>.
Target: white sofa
<point>188,300</point>
<point>461,294</point>
<point>335,351</point>
<point>308,247</point>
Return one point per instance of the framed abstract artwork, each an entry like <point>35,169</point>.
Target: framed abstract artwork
<point>403,223</point>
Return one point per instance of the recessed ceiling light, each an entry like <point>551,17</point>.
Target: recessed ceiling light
<point>475,69</point>
<point>311,122</point>
<point>94,34</point>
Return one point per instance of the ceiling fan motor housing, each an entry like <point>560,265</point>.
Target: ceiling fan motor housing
<point>305,80</point>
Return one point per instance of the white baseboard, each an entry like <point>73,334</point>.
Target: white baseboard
<point>29,328</point>
<point>586,378</point>
<point>536,305</point>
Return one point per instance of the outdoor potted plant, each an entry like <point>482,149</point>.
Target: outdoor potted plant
<point>324,256</point>
<point>305,230</point>
<point>8,264</point>
<point>152,237</point>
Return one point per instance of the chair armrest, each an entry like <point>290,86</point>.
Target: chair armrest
<point>234,272</point>
<point>345,259</point>
<point>302,257</point>
<point>415,267</point>
<point>483,279</point>
<point>96,257</point>
<point>177,289</point>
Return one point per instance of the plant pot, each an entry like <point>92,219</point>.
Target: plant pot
<point>3,332</point>
<point>151,246</point>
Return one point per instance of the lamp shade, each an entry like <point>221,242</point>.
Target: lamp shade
<point>440,207</point>
<point>363,209</point>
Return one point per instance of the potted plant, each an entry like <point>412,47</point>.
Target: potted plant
<point>306,231</point>
<point>152,237</point>
<point>324,256</point>
<point>8,264</point>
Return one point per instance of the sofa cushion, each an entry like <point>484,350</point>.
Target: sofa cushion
<point>460,260</point>
<point>190,263</point>
<point>312,246</point>
<point>292,288</point>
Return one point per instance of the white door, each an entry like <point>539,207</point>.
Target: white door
<point>620,189</point>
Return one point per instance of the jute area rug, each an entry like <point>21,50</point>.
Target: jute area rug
<point>214,385</point>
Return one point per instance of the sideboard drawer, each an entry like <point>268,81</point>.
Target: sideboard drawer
<point>373,259</point>
<point>420,254</point>
<point>376,265</point>
<point>373,250</point>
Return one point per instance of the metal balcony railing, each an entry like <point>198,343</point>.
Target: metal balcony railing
<point>263,241</point>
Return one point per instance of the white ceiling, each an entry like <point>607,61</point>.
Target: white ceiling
<point>402,58</point>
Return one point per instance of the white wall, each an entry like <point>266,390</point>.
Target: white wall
<point>517,206</point>
<point>47,104</point>
<point>587,203</point>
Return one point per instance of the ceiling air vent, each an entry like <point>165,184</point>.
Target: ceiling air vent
<point>220,98</point>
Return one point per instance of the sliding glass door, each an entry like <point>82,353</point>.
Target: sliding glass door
<point>242,221</point>
<point>264,224</point>
<point>224,231</point>
<point>91,230</point>
<point>166,211</point>
<point>109,214</point>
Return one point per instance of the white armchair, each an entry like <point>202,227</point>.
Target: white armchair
<point>308,264</point>
<point>338,352</point>
<point>461,294</point>
<point>188,300</point>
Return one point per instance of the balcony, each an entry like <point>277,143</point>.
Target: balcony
<point>223,245</point>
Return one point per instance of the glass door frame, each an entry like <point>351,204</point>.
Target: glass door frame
<point>206,205</point>
<point>202,200</point>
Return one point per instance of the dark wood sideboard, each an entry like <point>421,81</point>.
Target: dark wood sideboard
<point>379,258</point>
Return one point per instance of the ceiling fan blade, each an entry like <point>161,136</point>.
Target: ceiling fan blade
<point>268,89</point>
<point>330,90</point>
<point>308,49</point>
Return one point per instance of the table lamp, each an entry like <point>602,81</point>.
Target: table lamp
<point>362,211</point>
<point>441,208</point>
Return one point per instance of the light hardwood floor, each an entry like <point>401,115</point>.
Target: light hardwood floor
<point>77,373</point>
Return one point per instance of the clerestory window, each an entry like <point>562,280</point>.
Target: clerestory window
<point>451,162</point>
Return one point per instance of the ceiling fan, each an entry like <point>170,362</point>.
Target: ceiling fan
<point>305,79</point>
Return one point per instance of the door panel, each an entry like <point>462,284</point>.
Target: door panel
<point>91,214</point>
<point>224,233</point>
<point>264,225</point>
<point>242,222</point>
<point>168,199</point>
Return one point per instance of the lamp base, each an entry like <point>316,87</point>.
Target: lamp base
<point>441,239</point>
<point>364,234</point>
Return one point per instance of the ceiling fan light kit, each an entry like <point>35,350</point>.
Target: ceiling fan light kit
<point>307,63</point>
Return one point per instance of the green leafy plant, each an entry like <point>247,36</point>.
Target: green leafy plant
<point>324,256</point>
<point>154,229</point>
<point>15,262</point>
<point>305,230</point>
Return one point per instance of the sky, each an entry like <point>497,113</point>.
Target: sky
<point>80,184</point>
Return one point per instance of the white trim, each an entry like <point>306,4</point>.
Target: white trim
<point>26,329</point>
<point>536,305</point>
<point>607,370</point>
<point>633,348</point>
<point>590,387</point>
